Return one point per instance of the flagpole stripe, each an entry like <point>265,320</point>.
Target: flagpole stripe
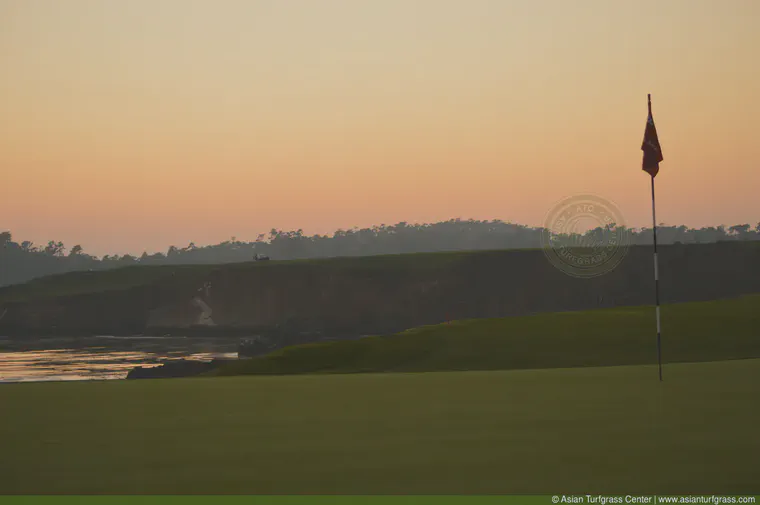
<point>657,310</point>
<point>656,270</point>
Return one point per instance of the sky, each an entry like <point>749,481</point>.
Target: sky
<point>128,126</point>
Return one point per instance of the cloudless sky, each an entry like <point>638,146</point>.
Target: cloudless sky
<point>132,125</point>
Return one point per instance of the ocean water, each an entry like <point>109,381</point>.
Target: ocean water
<point>100,358</point>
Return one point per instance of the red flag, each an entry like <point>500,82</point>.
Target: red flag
<point>651,147</point>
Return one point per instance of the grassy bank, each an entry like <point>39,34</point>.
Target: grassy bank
<point>606,430</point>
<point>86,282</point>
<point>702,331</point>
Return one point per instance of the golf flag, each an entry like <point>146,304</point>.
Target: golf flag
<point>651,147</point>
<point>651,165</point>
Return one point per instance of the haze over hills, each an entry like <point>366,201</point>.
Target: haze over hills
<point>23,261</point>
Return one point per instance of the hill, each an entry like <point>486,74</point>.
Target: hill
<point>702,331</point>
<point>367,295</point>
<point>21,261</point>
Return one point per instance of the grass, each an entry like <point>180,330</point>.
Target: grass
<point>549,429</point>
<point>122,278</point>
<point>590,430</point>
<point>692,332</point>
<point>83,282</point>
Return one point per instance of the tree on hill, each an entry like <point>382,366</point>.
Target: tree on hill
<point>54,248</point>
<point>24,261</point>
<point>741,231</point>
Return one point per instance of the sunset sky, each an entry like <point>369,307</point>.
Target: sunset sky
<point>132,125</point>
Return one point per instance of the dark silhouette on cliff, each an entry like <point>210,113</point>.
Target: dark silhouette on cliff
<point>20,262</point>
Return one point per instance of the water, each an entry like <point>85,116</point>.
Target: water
<point>100,358</point>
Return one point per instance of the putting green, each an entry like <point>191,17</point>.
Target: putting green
<point>582,430</point>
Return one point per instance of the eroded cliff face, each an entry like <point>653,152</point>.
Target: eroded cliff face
<point>375,295</point>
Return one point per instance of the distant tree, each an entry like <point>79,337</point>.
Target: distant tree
<point>740,231</point>
<point>54,248</point>
<point>25,261</point>
<point>127,259</point>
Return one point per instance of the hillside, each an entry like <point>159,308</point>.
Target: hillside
<point>22,261</point>
<point>368,295</point>
<point>701,331</point>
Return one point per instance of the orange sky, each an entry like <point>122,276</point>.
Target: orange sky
<point>134,125</point>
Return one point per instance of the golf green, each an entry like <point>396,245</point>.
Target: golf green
<point>580,430</point>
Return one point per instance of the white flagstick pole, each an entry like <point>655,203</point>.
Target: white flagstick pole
<point>656,270</point>
<point>656,286</point>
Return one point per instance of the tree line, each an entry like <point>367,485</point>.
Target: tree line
<point>20,262</point>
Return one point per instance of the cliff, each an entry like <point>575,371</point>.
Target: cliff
<point>374,294</point>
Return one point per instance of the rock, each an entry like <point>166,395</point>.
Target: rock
<point>179,368</point>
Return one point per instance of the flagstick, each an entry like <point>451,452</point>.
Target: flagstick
<point>656,285</point>
<point>656,270</point>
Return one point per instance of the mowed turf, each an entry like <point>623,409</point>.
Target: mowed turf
<point>583,430</point>
<point>692,332</point>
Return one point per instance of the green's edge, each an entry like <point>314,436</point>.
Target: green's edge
<point>635,498</point>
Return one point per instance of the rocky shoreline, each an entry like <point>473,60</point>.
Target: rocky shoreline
<point>176,369</point>
<point>20,333</point>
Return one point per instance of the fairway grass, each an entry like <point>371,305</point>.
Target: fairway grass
<point>692,332</point>
<point>583,430</point>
